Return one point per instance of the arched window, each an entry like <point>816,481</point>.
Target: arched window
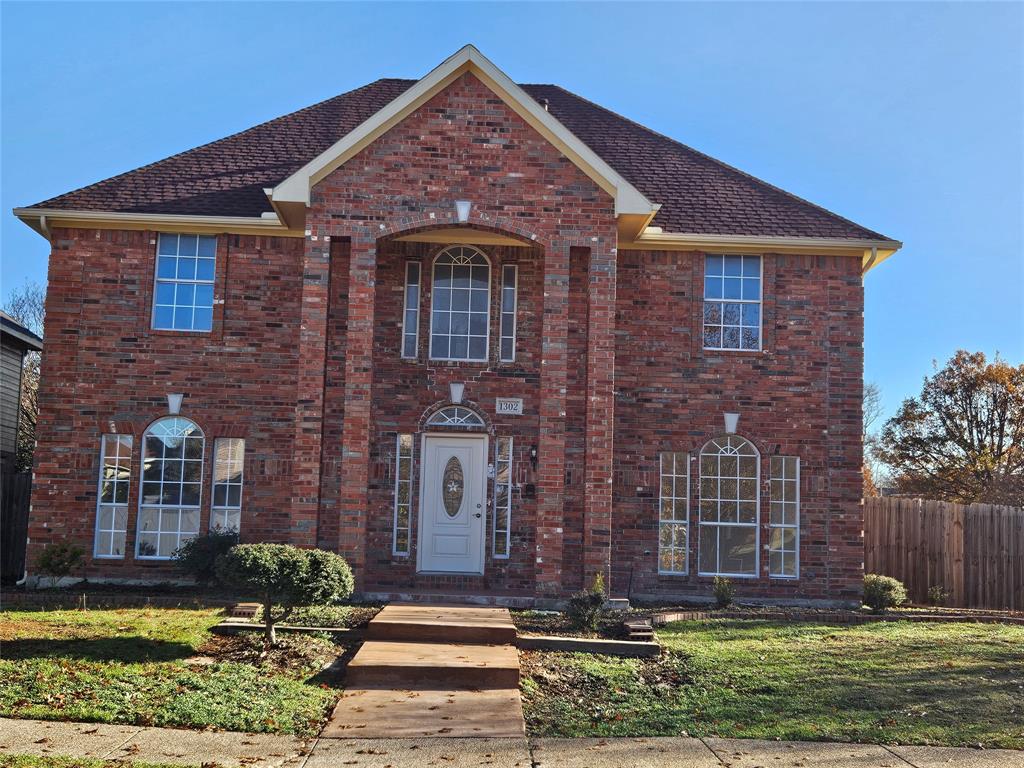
<point>460,308</point>
<point>455,416</point>
<point>172,473</point>
<point>729,503</point>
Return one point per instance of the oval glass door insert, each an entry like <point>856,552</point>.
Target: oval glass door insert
<point>452,486</point>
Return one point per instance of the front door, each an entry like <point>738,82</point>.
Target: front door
<point>452,504</point>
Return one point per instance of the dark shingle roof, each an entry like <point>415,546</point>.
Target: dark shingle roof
<point>698,194</point>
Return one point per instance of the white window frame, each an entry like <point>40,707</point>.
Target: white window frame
<point>455,416</point>
<point>433,295</point>
<point>759,301</point>
<point>795,526</point>
<point>400,456</point>
<point>504,534</point>
<point>220,512</point>
<point>674,474</point>
<point>513,311</point>
<point>102,506</point>
<point>159,508</point>
<point>175,281</point>
<point>414,332</point>
<point>718,524</point>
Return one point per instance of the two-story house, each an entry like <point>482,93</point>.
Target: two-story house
<point>481,338</point>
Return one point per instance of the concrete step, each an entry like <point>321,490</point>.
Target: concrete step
<point>411,713</point>
<point>444,665</point>
<point>442,623</point>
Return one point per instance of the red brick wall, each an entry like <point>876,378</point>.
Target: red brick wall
<point>304,362</point>
<point>463,144</point>
<point>105,370</point>
<point>801,396</point>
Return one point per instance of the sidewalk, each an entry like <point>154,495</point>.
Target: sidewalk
<point>181,747</point>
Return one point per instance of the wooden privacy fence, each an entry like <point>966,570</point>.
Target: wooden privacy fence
<point>975,552</point>
<point>15,488</point>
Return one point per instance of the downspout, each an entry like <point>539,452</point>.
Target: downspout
<point>871,261</point>
<point>43,225</point>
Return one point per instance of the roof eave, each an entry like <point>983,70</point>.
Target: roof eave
<point>872,252</point>
<point>42,220</point>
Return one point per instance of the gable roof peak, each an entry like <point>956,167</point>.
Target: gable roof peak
<point>293,193</point>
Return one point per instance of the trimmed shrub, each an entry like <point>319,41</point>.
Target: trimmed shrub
<point>59,560</point>
<point>198,556</point>
<point>882,592</point>
<point>724,590</point>
<point>586,608</point>
<point>937,595</point>
<point>286,577</point>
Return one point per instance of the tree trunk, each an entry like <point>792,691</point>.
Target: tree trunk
<point>269,634</point>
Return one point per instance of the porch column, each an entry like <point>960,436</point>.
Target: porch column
<point>309,392</point>
<point>355,447</point>
<point>597,507</point>
<point>551,443</point>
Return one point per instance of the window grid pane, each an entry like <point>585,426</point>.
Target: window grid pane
<point>674,513</point>
<point>403,496</point>
<point>509,299</point>
<point>784,518</point>
<point>460,309</point>
<point>112,496</point>
<point>732,302</point>
<point>502,543</point>
<point>228,472</point>
<point>411,313</point>
<point>729,504</point>
<point>172,469</point>
<point>185,270</point>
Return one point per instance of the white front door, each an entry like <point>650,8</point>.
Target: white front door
<point>452,504</point>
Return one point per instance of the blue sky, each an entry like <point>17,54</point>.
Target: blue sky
<point>905,117</point>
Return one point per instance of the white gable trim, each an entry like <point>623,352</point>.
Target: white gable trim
<point>628,200</point>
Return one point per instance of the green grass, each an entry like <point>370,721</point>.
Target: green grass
<point>885,682</point>
<point>129,667</point>
<point>34,761</point>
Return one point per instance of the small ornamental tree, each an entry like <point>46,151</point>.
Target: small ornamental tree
<point>286,577</point>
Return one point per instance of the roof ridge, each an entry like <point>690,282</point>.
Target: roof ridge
<point>721,164</point>
<point>230,136</point>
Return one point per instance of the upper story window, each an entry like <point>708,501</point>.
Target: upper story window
<point>460,310</point>
<point>185,269</point>
<point>732,302</point>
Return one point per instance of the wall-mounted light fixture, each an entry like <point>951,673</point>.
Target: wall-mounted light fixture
<point>455,391</point>
<point>731,420</point>
<point>462,208</point>
<point>533,457</point>
<point>174,403</point>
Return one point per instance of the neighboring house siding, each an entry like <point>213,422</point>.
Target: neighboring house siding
<point>11,359</point>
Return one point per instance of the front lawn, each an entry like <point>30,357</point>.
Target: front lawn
<point>885,682</point>
<point>160,667</point>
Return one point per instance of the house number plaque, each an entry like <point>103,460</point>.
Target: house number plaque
<point>509,406</point>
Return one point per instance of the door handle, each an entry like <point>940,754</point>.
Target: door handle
<point>477,515</point>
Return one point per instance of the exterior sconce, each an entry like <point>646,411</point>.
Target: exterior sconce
<point>731,420</point>
<point>455,390</point>
<point>174,403</point>
<point>533,457</point>
<point>462,210</point>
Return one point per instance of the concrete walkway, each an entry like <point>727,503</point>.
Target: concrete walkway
<point>194,748</point>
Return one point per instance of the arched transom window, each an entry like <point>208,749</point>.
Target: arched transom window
<point>455,416</point>
<point>729,475</point>
<point>460,309</point>
<point>172,472</point>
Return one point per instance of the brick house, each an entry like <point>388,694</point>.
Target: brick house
<point>483,339</point>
